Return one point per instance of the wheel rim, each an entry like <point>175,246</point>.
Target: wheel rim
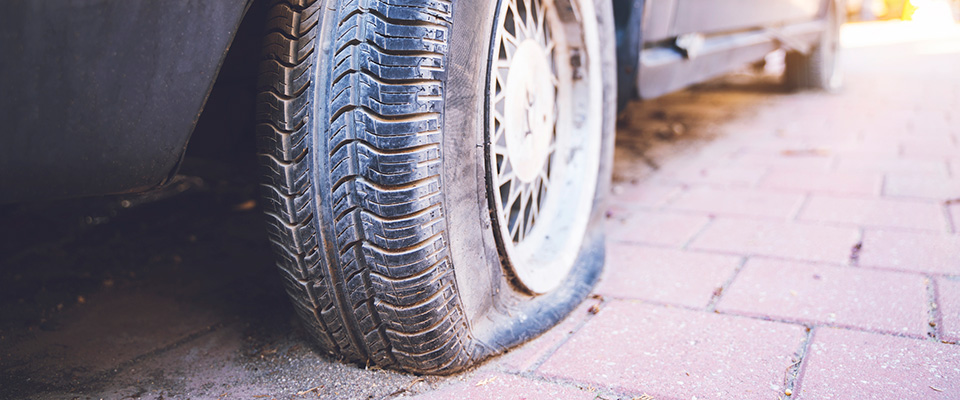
<point>543,139</point>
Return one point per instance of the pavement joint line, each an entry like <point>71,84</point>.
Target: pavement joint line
<point>763,177</point>
<point>718,294</point>
<point>598,390</point>
<point>715,185</point>
<point>710,219</point>
<point>794,214</point>
<point>769,318</point>
<point>630,206</point>
<point>911,272</point>
<point>933,313</point>
<point>834,224</point>
<point>682,187</point>
<point>834,165</point>
<point>766,256</point>
<point>802,366</point>
<point>682,211</point>
<point>759,256</point>
<point>805,222</point>
<point>857,196</point>
<point>951,228</point>
<point>820,324</point>
<point>792,373</point>
<point>883,184</point>
<point>781,258</point>
<point>641,243</point>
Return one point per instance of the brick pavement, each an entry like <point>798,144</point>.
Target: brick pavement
<point>809,250</point>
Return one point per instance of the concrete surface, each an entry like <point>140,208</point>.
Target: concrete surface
<point>763,245</point>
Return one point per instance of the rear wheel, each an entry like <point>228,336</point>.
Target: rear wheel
<point>819,69</point>
<point>433,171</point>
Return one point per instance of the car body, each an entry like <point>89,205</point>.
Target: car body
<point>103,97</point>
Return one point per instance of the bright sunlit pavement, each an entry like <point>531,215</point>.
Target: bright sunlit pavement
<point>931,21</point>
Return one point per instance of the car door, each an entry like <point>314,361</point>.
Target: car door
<point>715,16</point>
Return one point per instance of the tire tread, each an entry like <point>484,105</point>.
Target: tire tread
<point>380,290</point>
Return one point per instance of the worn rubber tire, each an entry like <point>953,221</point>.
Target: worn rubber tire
<point>820,68</point>
<point>371,146</point>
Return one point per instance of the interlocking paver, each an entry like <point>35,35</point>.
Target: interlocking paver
<point>654,227</point>
<point>788,240</point>
<point>743,202</point>
<point>911,251</point>
<point>823,182</point>
<point>874,212</point>
<point>934,187</point>
<point>848,365</point>
<point>504,386</point>
<point>827,294</point>
<point>675,353</point>
<point>948,302</point>
<point>665,275</point>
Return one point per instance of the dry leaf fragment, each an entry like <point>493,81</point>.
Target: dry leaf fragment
<point>245,206</point>
<point>311,390</point>
<point>486,381</point>
<point>806,152</point>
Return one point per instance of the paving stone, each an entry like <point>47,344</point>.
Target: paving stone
<point>484,386</point>
<point>788,240</point>
<point>823,182</point>
<point>874,212</point>
<point>911,251</point>
<point>654,227</point>
<point>849,365</point>
<point>948,303</point>
<point>752,203</point>
<point>827,294</point>
<point>672,353</point>
<point>665,275</point>
<point>927,186</point>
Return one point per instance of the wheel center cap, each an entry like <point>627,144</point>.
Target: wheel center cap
<point>528,112</point>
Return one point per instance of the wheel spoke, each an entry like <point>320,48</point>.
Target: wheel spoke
<point>524,190</point>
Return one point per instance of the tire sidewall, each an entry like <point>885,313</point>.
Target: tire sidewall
<point>483,284</point>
